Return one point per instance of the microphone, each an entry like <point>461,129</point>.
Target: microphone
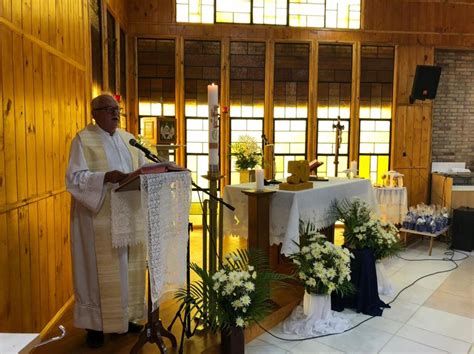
<point>136,144</point>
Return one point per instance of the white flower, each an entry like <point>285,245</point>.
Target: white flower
<point>249,286</point>
<point>237,304</point>
<point>239,322</point>
<point>245,300</point>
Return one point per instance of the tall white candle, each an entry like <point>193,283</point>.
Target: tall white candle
<point>212,99</point>
<point>259,179</point>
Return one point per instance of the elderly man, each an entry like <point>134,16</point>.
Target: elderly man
<point>108,282</point>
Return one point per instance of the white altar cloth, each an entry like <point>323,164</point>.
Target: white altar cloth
<point>288,207</point>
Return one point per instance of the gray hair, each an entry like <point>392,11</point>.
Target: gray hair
<point>101,100</point>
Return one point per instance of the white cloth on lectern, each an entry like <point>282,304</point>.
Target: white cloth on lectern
<point>128,219</point>
<point>167,197</point>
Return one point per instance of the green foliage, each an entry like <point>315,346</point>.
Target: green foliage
<point>322,267</point>
<point>236,294</point>
<point>247,152</point>
<point>361,230</point>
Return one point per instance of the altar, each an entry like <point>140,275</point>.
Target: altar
<point>288,207</point>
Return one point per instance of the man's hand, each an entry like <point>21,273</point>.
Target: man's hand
<point>114,176</point>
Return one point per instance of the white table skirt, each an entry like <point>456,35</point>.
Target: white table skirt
<point>288,207</point>
<point>393,203</point>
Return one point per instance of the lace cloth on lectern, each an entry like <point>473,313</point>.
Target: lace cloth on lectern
<point>167,197</point>
<point>127,218</point>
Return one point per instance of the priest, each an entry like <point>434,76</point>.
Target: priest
<point>109,282</point>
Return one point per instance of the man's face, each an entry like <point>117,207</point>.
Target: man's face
<point>107,115</point>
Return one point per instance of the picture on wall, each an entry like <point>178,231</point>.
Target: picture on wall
<point>166,130</point>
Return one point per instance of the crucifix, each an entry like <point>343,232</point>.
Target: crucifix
<point>339,128</point>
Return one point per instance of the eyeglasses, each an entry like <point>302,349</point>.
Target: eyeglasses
<point>109,109</point>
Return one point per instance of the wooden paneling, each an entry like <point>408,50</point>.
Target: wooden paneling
<point>398,15</point>
<point>412,125</point>
<point>43,87</point>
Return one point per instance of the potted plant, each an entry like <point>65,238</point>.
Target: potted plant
<point>248,154</point>
<point>322,268</point>
<point>364,231</point>
<point>232,297</point>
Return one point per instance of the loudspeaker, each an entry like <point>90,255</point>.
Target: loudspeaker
<point>425,83</point>
<point>463,229</point>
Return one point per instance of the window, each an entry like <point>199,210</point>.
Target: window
<point>334,100</point>
<point>247,93</point>
<point>195,11</point>
<point>270,12</point>
<point>375,113</point>
<point>298,13</point>
<point>96,43</point>
<point>307,13</point>
<point>235,11</point>
<point>201,68</point>
<point>123,65</point>
<point>156,85</point>
<point>111,55</point>
<point>290,104</point>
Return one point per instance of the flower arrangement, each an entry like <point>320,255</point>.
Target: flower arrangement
<point>247,152</point>
<point>239,291</point>
<point>362,230</point>
<point>322,267</point>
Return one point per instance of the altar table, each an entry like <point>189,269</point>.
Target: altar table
<point>288,207</point>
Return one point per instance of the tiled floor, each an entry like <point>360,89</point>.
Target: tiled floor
<point>436,315</point>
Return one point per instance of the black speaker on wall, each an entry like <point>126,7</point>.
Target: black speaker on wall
<point>425,83</point>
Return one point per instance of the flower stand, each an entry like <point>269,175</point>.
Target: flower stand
<point>233,341</point>
<point>316,307</point>
<point>314,317</point>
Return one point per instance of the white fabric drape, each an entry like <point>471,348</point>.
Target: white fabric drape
<point>314,317</point>
<point>385,286</point>
<point>393,203</point>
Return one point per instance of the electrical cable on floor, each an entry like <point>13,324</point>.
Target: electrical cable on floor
<point>445,259</point>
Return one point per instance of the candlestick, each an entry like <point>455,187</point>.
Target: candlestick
<point>259,180</point>
<point>212,99</point>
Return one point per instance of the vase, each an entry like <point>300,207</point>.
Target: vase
<point>247,176</point>
<point>384,284</point>
<point>233,341</point>
<point>316,306</point>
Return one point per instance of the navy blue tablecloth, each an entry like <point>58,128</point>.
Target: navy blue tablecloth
<point>364,278</point>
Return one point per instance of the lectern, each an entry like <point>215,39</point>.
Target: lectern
<point>153,183</point>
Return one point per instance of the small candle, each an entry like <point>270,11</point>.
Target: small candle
<point>212,99</point>
<point>259,180</point>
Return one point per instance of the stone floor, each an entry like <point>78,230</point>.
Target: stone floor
<point>435,315</point>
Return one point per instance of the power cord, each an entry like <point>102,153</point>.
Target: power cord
<point>445,259</point>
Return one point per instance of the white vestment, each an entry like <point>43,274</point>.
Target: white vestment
<point>88,191</point>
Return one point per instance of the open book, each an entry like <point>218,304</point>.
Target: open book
<point>132,182</point>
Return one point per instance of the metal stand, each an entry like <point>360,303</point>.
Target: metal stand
<point>154,330</point>
<point>184,312</point>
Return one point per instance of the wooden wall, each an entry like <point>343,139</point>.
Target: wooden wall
<point>414,27</point>
<point>43,82</point>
